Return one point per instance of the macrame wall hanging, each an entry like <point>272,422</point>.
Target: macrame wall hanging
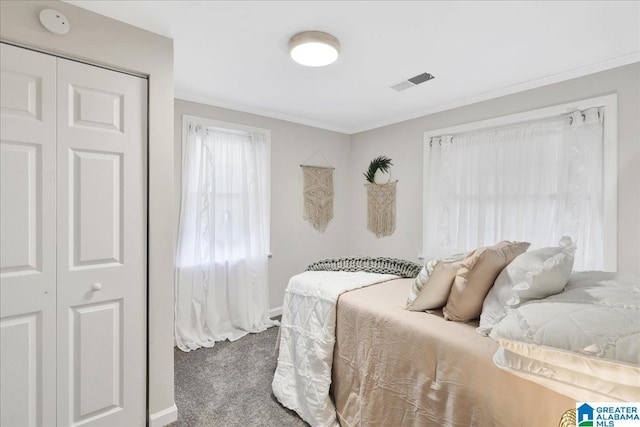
<point>318,194</point>
<point>381,198</point>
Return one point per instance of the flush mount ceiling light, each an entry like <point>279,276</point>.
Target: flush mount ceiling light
<point>314,48</point>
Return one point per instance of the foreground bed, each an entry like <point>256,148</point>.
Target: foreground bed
<point>396,367</point>
<point>351,353</point>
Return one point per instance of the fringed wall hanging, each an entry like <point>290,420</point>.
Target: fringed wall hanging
<point>318,194</point>
<point>381,198</point>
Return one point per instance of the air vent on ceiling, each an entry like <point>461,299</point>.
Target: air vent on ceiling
<point>413,81</point>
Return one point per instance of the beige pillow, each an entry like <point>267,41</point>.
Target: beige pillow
<point>432,286</point>
<point>475,278</point>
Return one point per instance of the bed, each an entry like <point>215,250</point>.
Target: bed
<point>392,366</point>
<point>361,358</point>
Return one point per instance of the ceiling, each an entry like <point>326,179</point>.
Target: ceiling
<point>234,54</point>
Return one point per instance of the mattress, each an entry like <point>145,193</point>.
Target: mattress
<point>397,367</point>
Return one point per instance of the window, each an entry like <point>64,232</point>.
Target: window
<point>222,287</point>
<point>533,176</point>
<point>225,200</point>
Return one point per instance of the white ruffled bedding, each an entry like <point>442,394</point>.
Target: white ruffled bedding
<point>307,337</point>
<point>587,336</point>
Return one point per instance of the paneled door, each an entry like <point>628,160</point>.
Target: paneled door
<point>73,214</point>
<point>101,251</point>
<point>27,236</point>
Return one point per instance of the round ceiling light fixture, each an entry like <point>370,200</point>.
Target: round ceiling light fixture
<point>314,48</point>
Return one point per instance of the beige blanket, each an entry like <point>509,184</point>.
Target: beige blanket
<point>394,367</point>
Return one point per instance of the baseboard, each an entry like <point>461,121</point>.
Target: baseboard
<point>164,417</point>
<point>277,311</point>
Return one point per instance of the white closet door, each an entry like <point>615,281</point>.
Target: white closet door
<point>102,238</point>
<point>27,235</point>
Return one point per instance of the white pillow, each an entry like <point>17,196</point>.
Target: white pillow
<point>532,275</point>
<point>431,288</point>
<point>597,315</point>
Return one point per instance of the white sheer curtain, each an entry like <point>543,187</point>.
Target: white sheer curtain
<point>223,242</point>
<point>535,182</point>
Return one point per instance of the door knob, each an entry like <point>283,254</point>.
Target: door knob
<point>96,287</point>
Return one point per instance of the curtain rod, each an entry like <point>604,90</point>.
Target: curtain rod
<point>219,129</point>
<point>564,115</point>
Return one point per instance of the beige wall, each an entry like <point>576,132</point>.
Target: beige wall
<point>97,39</point>
<point>403,143</point>
<point>294,243</point>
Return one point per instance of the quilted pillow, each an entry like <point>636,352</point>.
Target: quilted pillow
<point>532,275</point>
<point>592,328</point>
<point>475,277</point>
<point>597,315</point>
<point>431,288</point>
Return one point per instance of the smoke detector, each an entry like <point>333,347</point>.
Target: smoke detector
<point>55,22</point>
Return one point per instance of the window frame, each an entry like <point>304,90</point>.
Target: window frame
<point>610,159</point>
<point>234,127</point>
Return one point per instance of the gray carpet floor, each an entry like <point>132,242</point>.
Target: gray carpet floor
<point>230,385</point>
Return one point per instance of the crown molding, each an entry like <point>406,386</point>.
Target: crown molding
<point>520,87</point>
<point>203,99</point>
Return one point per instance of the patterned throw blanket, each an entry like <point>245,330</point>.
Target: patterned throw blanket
<point>399,267</point>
